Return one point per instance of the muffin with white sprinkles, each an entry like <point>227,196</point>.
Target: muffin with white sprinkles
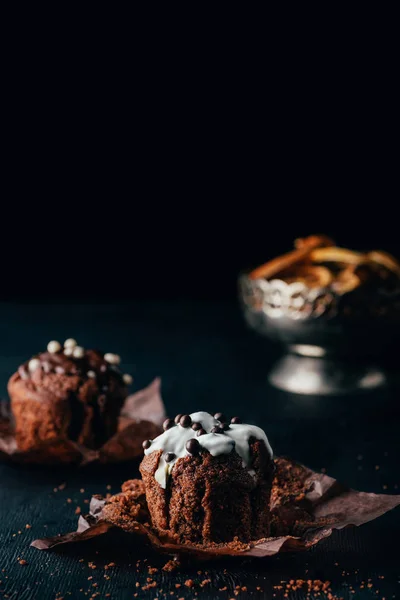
<point>208,480</point>
<point>67,393</point>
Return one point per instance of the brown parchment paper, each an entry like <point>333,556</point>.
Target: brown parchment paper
<point>306,507</point>
<point>141,418</point>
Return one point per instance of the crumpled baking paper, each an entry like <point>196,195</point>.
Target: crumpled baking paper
<point>306,507</point>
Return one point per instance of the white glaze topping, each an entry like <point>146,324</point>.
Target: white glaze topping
<point>174,441</point>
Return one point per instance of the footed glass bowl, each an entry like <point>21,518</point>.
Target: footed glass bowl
<point>334,344</point>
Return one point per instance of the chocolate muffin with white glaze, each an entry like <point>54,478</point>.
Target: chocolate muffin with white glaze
<point>67,393</point>
<point>208,480</point>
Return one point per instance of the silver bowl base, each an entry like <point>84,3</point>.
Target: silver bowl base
<point>324,376</point>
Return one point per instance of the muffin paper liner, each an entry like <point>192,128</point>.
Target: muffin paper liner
<point>306,507</point>
<point>141,418</point>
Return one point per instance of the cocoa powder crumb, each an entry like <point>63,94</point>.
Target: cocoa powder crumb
<point>171,565</point>
<point>148,586</point>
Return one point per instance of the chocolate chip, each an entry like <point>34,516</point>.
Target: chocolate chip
<point>146,444</point>
<point>236,420</point>
<point>196,426</point>
<point>169,456</point>
<point>201,432</point>
<point>193,447</point>
<point>185,421</point>
<point>177,418</point>
<point>220,417</point>
<point>217,430</point>
<point>168,423</point>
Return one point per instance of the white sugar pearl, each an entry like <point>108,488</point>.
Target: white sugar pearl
<point>113,359</point>
<point>33,364</point>
<point>78,352</point>
<point>91,374</point>
<point>68,351</point>
<point>127,378</point>
<point>53,347</point>
<point>70,343</point>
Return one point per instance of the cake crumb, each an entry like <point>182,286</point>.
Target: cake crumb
<point>152,570</point>
<point>148,586</point>
<point>171,565</point>
<point>22,561</point>
<point>189,583</point>
<point>27,526</point>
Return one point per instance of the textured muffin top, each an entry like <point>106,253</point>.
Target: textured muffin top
<point>187,435</point>
<point>66,367</point>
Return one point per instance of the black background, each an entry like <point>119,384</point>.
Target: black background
<point>183,238</point>
<point>166,178</point>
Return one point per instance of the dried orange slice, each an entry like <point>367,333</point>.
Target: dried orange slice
<point>335,254</point>
<point>311,276</point>
<point>285,261</point>
<point>346,281</point>
<point>385,260</point>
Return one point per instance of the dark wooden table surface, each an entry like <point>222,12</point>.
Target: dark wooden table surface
<point>208,360</point>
